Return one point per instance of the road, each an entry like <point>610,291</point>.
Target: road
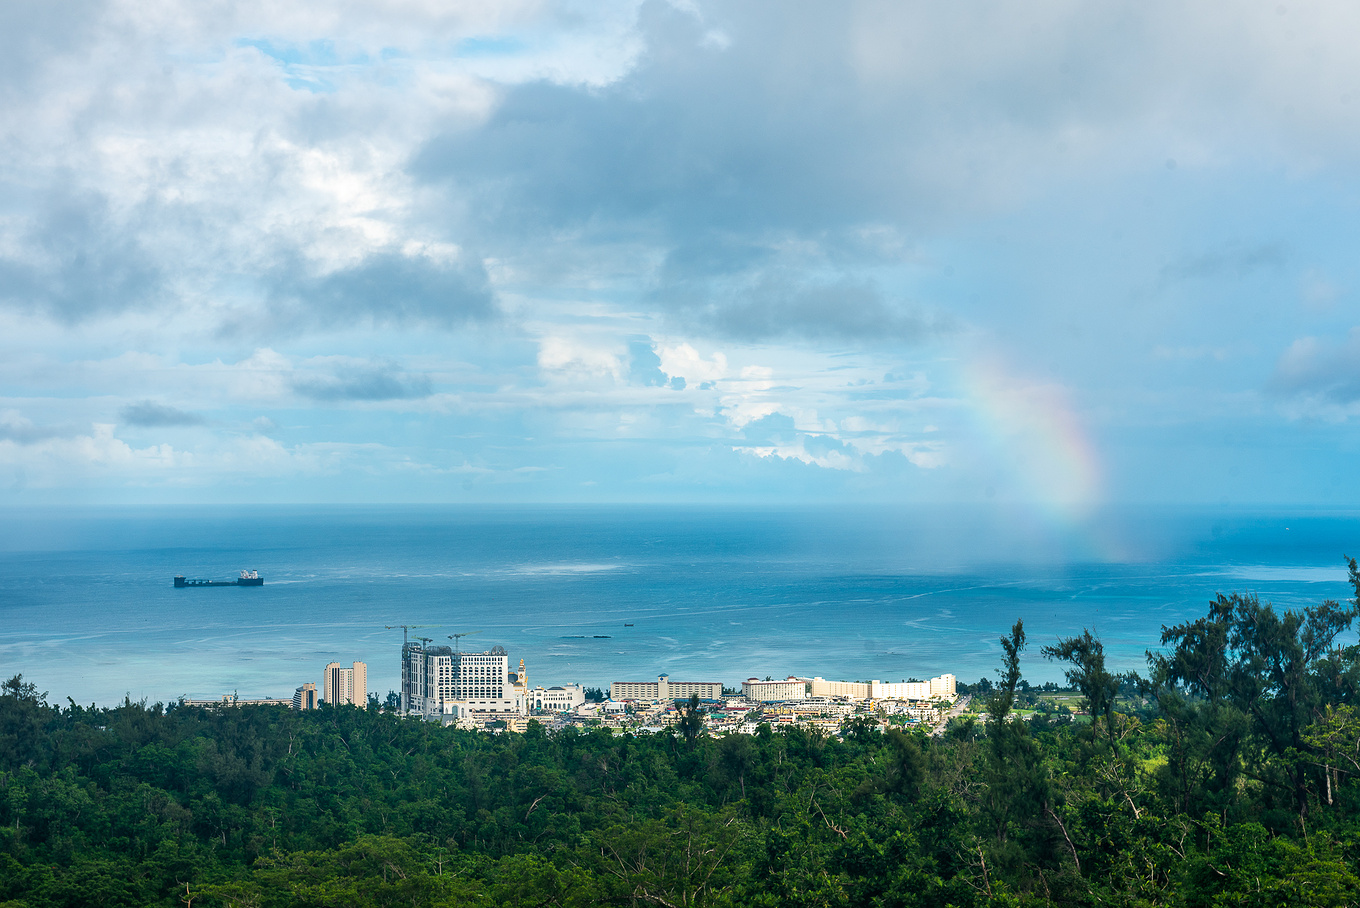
<point>959,708</point>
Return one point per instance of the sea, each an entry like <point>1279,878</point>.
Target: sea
<point>595,594</point>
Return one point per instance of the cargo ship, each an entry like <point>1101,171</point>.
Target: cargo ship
<point>246,578</point>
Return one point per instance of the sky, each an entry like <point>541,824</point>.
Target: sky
<point>1059,256</point>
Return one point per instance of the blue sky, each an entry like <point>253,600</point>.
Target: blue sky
<point>1059,256</point>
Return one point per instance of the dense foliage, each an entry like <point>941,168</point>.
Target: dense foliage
<point>1231,777</point>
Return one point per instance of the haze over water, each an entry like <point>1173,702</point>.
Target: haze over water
<point>87,609</point>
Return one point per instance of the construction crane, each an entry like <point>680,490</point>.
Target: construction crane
<point>405,628</point>
<point>454,638</point>
<point>405,646</point>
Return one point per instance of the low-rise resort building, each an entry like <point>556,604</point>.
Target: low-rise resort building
<point>792,688</point>
<point>663,688</point>
<point>557,699</point>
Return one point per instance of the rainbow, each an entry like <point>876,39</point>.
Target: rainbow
<point>1038,441</point>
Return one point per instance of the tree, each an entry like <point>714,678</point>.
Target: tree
<point>1000,703</point>
<point>686,858</point>
<point>20,689</point>
<point>1088,675</point>
<point>691,723</point>
<point>1015,784</point>
<point>1257,679</point>
<point>22,713</point>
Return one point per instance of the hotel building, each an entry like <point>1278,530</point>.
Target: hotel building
<point>437,682</point>
<point>346,685</point>
<point>774,691</point>
<point>941,688</point>
<point>305,697</point>
<point>665,689</point>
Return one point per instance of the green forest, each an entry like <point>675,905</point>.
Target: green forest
<point>1227,774</point>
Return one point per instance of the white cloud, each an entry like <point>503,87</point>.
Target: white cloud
<point>99,458</point>
<point>565,357</point>
<point>830,460</point>
<point>95,456</point>
<point>740,413</point>
<point>252,211</point>
<point>924,454</point>
<point>684,361</point>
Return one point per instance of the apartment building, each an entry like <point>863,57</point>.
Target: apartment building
<point>345,685</point>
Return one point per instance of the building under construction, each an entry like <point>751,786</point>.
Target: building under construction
<point>438,682</point>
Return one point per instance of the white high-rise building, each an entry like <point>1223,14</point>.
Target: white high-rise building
<point>346,685</point>
<point>945,687</point>
<point>436,681</point>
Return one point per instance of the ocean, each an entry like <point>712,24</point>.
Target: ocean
<point>597,594</point>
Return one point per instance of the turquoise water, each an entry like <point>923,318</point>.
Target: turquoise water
<point>87,609</point>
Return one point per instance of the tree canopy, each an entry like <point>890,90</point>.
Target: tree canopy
<point>1230,775</point>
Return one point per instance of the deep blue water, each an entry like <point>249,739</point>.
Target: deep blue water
<point>87,609</point>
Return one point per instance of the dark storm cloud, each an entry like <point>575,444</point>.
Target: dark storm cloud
<point>1233,262</point>
<point>22,431</point>
<point>32,35</point>
<point>780,305</point>
<point>391,288</point>
<point>755,170</point>
<point>150,414</point>
<point>74,260</point>
<point>360,383</point>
